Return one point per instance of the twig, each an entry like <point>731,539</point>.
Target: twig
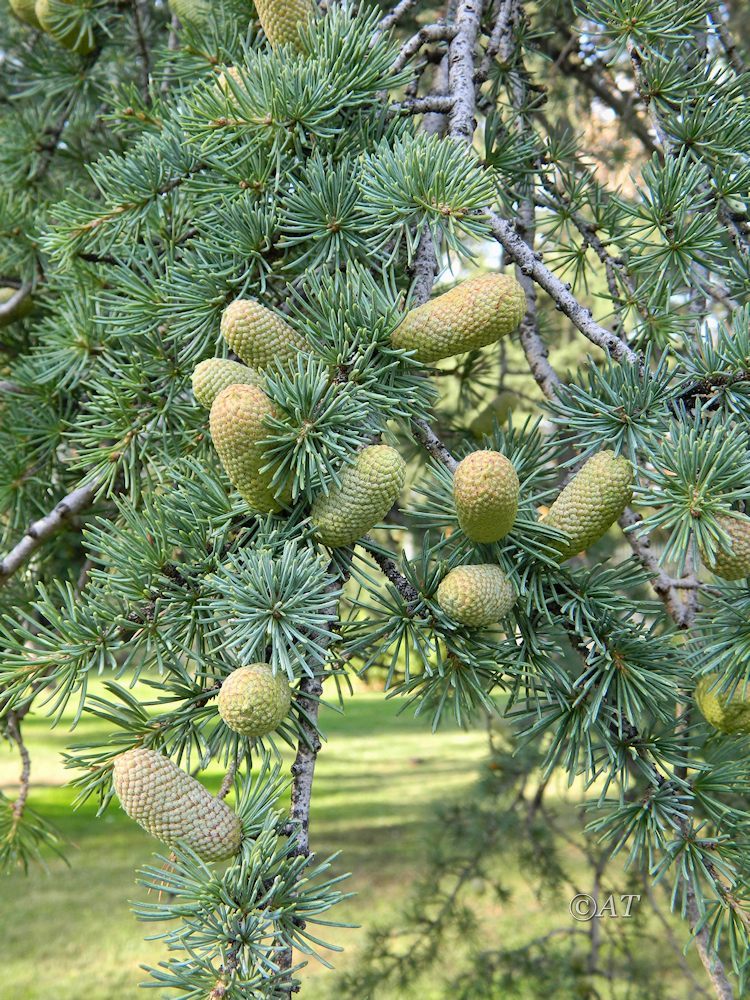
<point>727,41</point>
<point>461,121</point>
<point>537,354</point>
<point>144,51</point>
<point>226,783</point>
<point>44,528</point>
<point>438,32</point>
<point>501,32</point>
<point>391,571</point>
<point>16,299</point>
<point>13,726</point>
<point>432,444</point>
<point>530,264</point>
<point>431,104</point>
<point>401,8</point>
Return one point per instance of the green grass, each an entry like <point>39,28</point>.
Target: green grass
<point>68,933</point>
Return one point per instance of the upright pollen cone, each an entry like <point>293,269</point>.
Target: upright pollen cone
<point>474,314</point>
<point>258,336</point>
<point>174,807</point>
<point>368,490</point>
<point>485,491</point>
<point>214,375</point>
<point>238,426</point>
<point>281,19</point>
<point>591,502</point>
<point>725,714</point>
<point>733,563</point>
<point>476,595</point>
<point>253,701</point>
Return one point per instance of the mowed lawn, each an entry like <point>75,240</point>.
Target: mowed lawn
<point>68,933</point>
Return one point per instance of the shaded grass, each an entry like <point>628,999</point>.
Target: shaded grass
<point>68,933</point>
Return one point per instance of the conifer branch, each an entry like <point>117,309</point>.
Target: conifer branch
<point>507,11</point>
<point>431,104</point>
<point>432,444</point>
<point>430,33</point>
<point>144,50</point>
<point>13,726</point>
<point>43,529</point>
<point>401,9</point>
<point>461,121</point>
<point>529,262</point>
<point>727,40</point>
<point>392,573</point>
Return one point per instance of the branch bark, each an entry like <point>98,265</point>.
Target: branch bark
<point>530,264</point>
<point>44,528</point>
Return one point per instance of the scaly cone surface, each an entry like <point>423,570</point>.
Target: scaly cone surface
<point>281,19</point>
<point>476,595</point>
<point>369,488</point>
<point>259,336</point>
<point>474,314</point>
<point>172,806</point>
<point>718,711</point>
<point>253,700</point>
<point>733,564</point>
<point>591,502</point>
<point>190,11</point>
<point>215,374</point>
<point>238,426</point>
<point>485,491</point>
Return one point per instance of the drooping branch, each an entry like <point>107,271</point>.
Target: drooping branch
<point>530,264</point>
<point>44,528</point>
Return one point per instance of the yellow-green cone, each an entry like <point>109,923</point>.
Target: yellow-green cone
<point>190,11</point>
<point>369,488</point>
<point>253,701</point>
<point>474,314</point>
<point>238,426</point>
<point>728,716</point>
<point>64,29</point>
<point>25,10</point>
<point>591,502</point>
<point>733,564</point>
<point>19,311</point>
<point>485,491</point>
<point>259,336</point>
<point>214,375</point>
<point>174,807</point>
<point>282,19</point>
<point>476,595</point>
